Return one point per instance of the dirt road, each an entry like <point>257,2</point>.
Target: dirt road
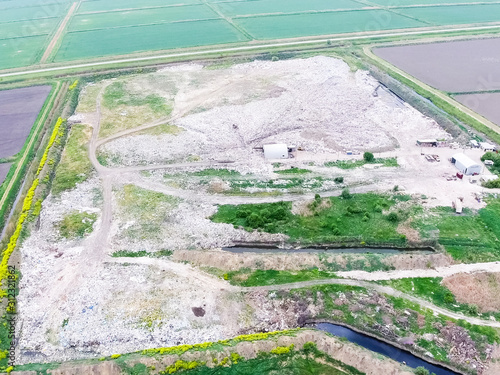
<point>59,32</point>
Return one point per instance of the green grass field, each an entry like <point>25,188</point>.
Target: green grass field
<point>99,27</point>
<point>140,16</point>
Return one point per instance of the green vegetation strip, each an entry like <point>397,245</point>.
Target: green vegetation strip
<point>142,253</point>
<point>245,277</point>
<point>279,359</point>
<point>356,217</point>
<point>351,164</point>
<point>75,166</point>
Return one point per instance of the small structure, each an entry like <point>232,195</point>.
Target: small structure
<point>276,151</point>
<point>487,146</point>
<point>457,205</point>
<point>427,142</point>
<point>466,165</point>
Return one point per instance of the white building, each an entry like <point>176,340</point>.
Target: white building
<point>276,151</point>
<point>466,165</point>
<point>487,146</point>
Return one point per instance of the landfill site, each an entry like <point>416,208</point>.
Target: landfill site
<point>224,137</point>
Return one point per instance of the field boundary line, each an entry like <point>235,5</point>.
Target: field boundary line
<point>134,9</point>
<point>187,55</point>
<point>229,20</point>
<point>441,95</point>
<point>21,161</point>
<point>62,27</point>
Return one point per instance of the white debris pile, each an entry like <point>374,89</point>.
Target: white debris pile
<point>321,106</point>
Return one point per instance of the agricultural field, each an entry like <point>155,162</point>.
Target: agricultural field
<point>68,31</point>
<point>26,28</point>
<point>4,169</point>
<point>19,109</point>
<point>464,69</point>
<point>486,104</point>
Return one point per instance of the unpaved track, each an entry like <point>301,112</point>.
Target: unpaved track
<point>435,272</point>
<point>59,32</point>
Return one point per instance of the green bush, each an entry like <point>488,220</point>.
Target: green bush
<point>393,217</point>
<point>421,371</point>
<point>492,184</point>
<point>338,180</point>
<point>368,157</point>
<point>345,194</point>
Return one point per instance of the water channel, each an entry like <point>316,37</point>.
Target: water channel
<point>383,348</point>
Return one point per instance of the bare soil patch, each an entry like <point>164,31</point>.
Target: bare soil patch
<point>481,289</point>
<point>19,109</point>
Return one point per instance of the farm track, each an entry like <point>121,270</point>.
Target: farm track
<point>59,32</point>
<point>40,124</point>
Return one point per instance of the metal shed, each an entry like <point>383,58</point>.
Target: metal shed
<point>466,165</point>
<point>276,151</point>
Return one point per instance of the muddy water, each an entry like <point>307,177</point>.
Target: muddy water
<point>459,66</point>
<point>383,348</point>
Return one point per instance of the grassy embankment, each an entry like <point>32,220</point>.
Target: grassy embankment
<point>75,166</point>
<point>224,359</point>
<point>351,164</point>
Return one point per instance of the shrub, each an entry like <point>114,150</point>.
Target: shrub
<point>393,217</point>
<point>368,157</point>
<point>338,180</point>
<point>492,184</point>
<point>473,309</point>
<point>346,194</point>
<point>421,371</point>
